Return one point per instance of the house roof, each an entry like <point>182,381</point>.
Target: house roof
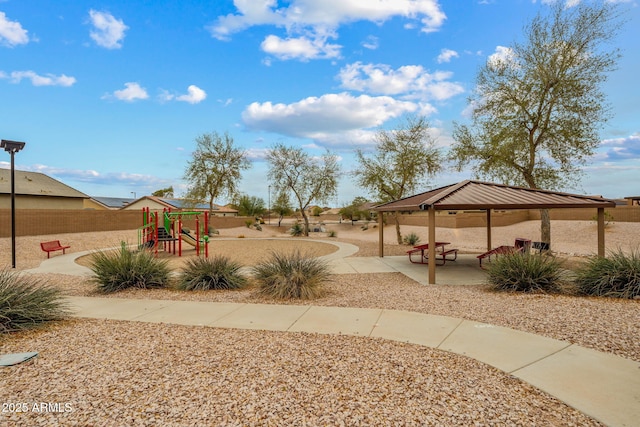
<point>485,195</point>
<point>36,184</point>
<point>184,204</point>
<point>113,202</point>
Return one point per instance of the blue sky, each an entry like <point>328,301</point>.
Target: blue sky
<point>110,95</point>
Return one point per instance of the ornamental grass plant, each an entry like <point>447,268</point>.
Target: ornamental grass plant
<point>291,276</point>
<point>617,275</point>
<point>527,272</point>
<point>26,302</point>
<point>217,272</point>
<point>117,270</point>
<point>411,239</point>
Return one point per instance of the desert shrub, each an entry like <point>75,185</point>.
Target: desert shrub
<point>411,239</point>
<point>365,226</point>
<point>297,229</point>
<point>26,301</point>
<point>248,223</point>
<point>332,233</point>
<point>258,226</point>
<point>291,275</point>
<point>218,272</point>
<point>617,275</point>
<point>522,272</point>
<point>117,270</point>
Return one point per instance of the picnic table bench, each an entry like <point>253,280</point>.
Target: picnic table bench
<point>52,246</point>
<point>520,245</point>
<point>441,254</point>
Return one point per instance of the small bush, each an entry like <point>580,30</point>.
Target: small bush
<point>365,226</point>
<point>411,239</point>
<point>248,223</point>
<point>115,271</point>
<point>520,272</point>
<point>297,229</point>
<point>258,227</point>
<point>332,233</point>
<point>240,236</point>
<point>218,272</point>
<point>292,275</point>
<point>617,276</point>
<point>26,302</point>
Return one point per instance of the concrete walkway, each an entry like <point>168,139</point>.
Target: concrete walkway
<point>601,385</point>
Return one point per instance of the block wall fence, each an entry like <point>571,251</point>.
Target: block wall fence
<point>33,222</point>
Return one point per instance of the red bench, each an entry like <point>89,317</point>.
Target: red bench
<point>53,246</point>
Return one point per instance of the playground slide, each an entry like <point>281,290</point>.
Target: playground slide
<point>188,238</point>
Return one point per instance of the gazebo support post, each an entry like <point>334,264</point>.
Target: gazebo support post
<point>489,246</point>
<point>601,232</point>
<point>432,245</point>
<point>381,234</point>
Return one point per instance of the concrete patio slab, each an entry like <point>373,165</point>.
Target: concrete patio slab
<point>504,348</point>
<point>114,308</point>
<point>414,328</point>
<point>337,320</point>
<point>602,385</point>
<point>269,317</point>
<point>369,265</point>
<point>190,313</point>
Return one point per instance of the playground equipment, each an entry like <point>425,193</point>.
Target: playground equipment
<point>152,233</point>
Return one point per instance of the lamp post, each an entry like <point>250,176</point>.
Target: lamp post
<point>269,203</point>
<point>12,147</point>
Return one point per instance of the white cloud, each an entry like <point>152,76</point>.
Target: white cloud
<point>410,81</point>
<point>11,32</point>
<point>38,80</point>
<point>446,55</point>
<point>195,95</point>
<point>108,31</point>
<point>305,17</point>
<point>331,117</point>
<point>371,43</point>
<point>303,48</point>
<point>503,57</point>
<point>131,92</point>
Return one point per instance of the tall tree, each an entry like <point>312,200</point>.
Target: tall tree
<point>354,211</point>
<point>282,206</point>
<point>249,205</point>
<point>400,163</point>
<point>214,171</point>
<point>308,178</point>
<point>164,192</point>
<point>538,106</point>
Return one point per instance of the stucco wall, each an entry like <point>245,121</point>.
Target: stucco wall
<point>40,202</point>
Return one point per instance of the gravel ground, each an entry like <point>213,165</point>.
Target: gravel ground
<point>129,373</point>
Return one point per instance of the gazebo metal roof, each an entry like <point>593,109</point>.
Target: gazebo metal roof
<point>486,195</point>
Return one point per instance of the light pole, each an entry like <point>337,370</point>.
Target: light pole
<point>269,205</point>
<point>12,147</point>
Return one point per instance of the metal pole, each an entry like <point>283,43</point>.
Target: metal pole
<point>269,215</point>
<point>13,212</point>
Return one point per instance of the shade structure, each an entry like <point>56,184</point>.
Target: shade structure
<point>478,195</point>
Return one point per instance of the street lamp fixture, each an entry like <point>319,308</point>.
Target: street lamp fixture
<point>12,147</point>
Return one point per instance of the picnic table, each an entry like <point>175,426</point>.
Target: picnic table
<point>441,253</point>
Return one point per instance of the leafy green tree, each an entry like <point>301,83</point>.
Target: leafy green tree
<point>250,206</point>
<point>354,211</point>
<point>400,163</point>
<point>164,192</point>
<point>282,206</point>
<point>215,169</point>
<point>308,178</point>
<point>538,107</point>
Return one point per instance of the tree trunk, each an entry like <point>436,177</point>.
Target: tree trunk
<point>280,220</point>
<point>396,216</point>
<point>306,222</point>
<point>545,226</point>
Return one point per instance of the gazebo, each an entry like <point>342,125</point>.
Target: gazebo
<point>478,195</point>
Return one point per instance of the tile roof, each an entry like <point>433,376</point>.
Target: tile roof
<point>36,184</point>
